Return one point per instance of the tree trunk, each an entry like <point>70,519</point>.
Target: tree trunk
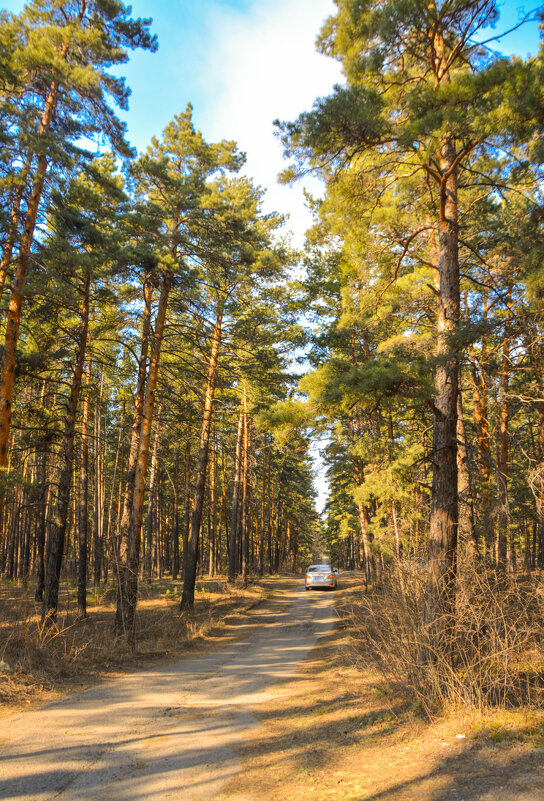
<point>263,512</point>
<point>244,528</point>
<point>98,494</point>
<point>83,506</point>
<point>235,515</point>
<point>151,498</point>
<point>212,566</point>
<point>502,458</point>
<point>189,578</point>
<point>41,526</point>
<point>108,538</point>
<point>122,550</point>
<point>467,530</point>
<point>15,219</point>
<point>186,500</point>
<point>7,366</point>
<point>127,598</point>
<point>58,530</point>
<point>175,540</point>
<point>444,502</point>
<point>481,419</point>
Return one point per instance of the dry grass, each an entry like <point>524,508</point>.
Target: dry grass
<point>37,662</point>
<point>490,654</point>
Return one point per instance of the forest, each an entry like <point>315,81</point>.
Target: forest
<point>154,321</point>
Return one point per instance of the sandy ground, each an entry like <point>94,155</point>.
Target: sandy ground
<point>171,732</point>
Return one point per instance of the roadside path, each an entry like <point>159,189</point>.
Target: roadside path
<point>166,733</point>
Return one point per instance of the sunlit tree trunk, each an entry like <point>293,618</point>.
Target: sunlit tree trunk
<point>186,500</point>
<point>444,500</point>
<point>98,493</point>
<point>128,594</point>
<point>15,220</point>
<point>212,565</point>
<point>244,528</point>
<point>124,525</point>
<point>7,365</point>
<point>235,515</point>
<point>151,500</point>
<point>467,529</point>
<point>502,460</point>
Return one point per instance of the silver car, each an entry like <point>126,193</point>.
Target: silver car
<point>320,576</point>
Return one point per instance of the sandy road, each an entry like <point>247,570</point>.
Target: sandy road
<point>169,732</point>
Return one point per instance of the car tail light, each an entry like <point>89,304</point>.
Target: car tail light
<point>307,576</point>
<point>331,575</point>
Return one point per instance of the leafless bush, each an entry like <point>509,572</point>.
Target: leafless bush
<point>490,652</point>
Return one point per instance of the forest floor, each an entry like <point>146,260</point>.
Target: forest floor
<point>266,718</point>
<point>38,665</point>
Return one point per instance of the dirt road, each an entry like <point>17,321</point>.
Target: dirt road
<point>167,733</point>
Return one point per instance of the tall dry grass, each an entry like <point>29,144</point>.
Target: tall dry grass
<point>489,653</point>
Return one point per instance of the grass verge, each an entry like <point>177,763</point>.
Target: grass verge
<point>38,664</point>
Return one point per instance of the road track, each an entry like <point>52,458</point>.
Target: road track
<point>170,732</point>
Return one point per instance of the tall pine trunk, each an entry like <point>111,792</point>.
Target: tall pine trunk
<point>58,530</point>
<point>15,220</point>
<point>124,525</point>
<point>467,529</point>
<point>83,532</point>
<point>128,594</point>
<point>189,578</point>
<point>502,461</point>
<point>244,519</point>
<point>444,500</point>
<point>212,560</point>
<point>236,492</point>
<point>151,500</point>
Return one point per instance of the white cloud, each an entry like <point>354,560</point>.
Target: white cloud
<point>262,65</point>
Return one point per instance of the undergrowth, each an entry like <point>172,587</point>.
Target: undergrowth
<point>489,654</point>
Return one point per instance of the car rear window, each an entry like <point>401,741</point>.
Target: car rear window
<point>319,569</point>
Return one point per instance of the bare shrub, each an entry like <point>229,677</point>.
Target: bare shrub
<point>490,653</point>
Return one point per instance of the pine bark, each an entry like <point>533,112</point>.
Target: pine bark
<point>244,520</point>
<point>189,578</point>
<point>151,500</point>
<point>236,492</point>
<point>128,591</point>
<point>212,564</point>
<point>502,460</point>
<point>186,501</point>
<point>98,489</point>
<point>467,529</point>
<point>7,365</point>
<point>122,550</point>
<point>15,220</point>
<point>58,530</point>
<point>444,500</point>
<point>83,532</point>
